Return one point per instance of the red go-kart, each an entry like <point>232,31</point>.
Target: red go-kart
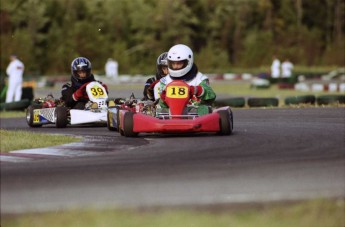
<point>180,117</point>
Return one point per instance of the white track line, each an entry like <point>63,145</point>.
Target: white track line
<point>48,152</point>
<point>56,151</point>
<point>5,158</point>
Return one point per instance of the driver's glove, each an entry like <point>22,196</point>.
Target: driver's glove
<point>80,93</point>
<point>163,95</point>
<point>196,90</point>
<point>150,89</point>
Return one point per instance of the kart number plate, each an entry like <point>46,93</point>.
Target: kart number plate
<point>177,92</point>
<point>98,92</point>
<point>36,116</point>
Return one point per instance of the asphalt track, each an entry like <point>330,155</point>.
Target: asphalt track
<point>272,155</point>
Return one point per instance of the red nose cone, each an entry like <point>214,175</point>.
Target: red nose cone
<point>177,96</point>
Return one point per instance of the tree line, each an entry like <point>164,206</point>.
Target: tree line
<point>224,34</point>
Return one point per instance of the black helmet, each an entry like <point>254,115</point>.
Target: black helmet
<point>161,61</point>
<point>81,64</point>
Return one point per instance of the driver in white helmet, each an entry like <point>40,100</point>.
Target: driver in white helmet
<point>181,67</point>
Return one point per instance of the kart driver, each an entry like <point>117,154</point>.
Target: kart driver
<point>161,71</point>
<point>74,95</point>
<point>181,66</point>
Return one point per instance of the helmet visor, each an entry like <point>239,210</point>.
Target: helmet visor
<point>177,65</point>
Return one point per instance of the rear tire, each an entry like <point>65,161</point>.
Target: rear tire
<point>233,102</point>
<point>330,99</point>
<point>262,102</point>
<point>303,99</point>
<point>225,122</point>
<point>30,116</point>
<point>128,124</point>
<point>15,106</point>
<point>61,114</point>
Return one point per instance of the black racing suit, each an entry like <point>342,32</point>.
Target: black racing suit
<point>69,88</point>
<point>147,85</point>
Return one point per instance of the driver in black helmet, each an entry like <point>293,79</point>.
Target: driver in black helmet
<point>161,71</point>
<point>74,94</point>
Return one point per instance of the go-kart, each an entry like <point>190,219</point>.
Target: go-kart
<point>53,111</point>
<point>132,104</point>
<point>180,117</point>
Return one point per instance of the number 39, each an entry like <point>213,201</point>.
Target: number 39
<point>97,91</point>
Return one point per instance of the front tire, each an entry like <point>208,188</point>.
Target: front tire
<point>225,122</point>
<point>30,117</point>
<point>61,114</point>
<point>128,124</point>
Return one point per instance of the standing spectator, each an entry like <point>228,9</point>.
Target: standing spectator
<point>111,68</point>
<point>275,69</point>
<point>15,72</point>
<point>287,67</point>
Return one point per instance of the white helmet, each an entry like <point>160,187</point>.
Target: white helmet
<point>183,53</point>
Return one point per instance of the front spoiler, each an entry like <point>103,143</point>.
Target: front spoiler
<point>47,116</point>
<point>205,123</point>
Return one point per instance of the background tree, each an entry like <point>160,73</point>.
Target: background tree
<point>224,34</point>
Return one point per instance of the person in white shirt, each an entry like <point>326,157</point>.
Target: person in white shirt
<point>275,68</point>
<point>111,68</point>
<point>287,67</point>
<point>15,72</point>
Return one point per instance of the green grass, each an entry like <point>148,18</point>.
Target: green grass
<point>10,114</point>
<point>298,69</point>
<point>315,213</point>
<point>244,90</point>
<point>16,140</point>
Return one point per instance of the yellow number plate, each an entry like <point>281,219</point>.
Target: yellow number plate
<point>36,117</point>
<point>177,92</point>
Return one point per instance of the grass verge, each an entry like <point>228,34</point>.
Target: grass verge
<point>244,89</point>
<point>12,114</point>
<point>316,213</point>
<point>16,140</point>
